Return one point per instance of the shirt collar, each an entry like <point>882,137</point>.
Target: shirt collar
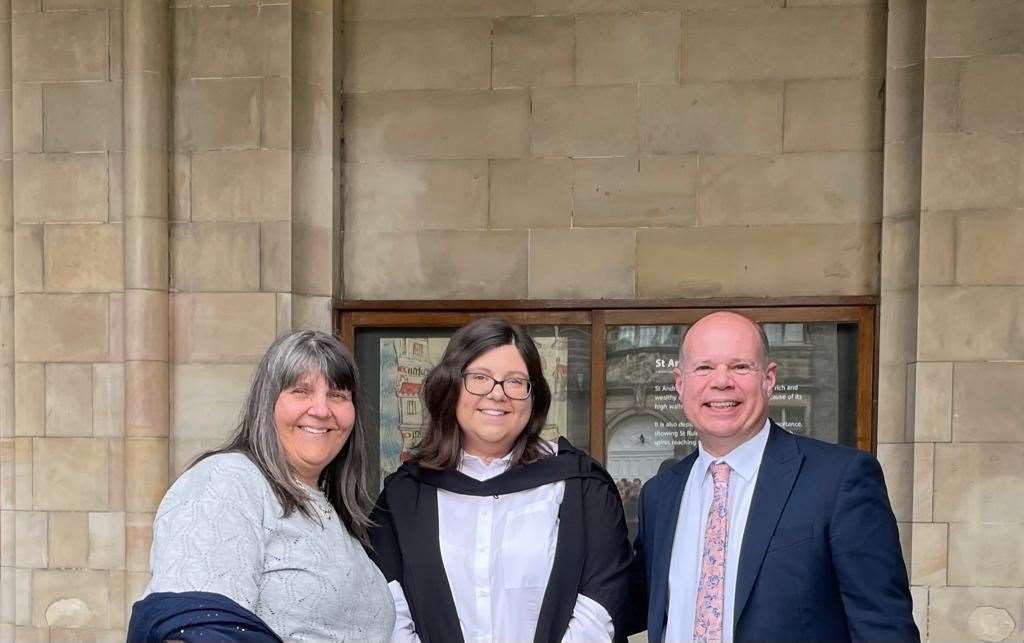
<point>476,468</point>
<point>744,459</point>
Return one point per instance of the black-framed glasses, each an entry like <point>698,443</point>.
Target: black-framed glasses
<point>515,388</point>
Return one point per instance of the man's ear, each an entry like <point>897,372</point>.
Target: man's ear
<point>769,377</point>
<point>678,375</point>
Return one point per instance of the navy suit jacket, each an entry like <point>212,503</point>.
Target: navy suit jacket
<point>820,560</point>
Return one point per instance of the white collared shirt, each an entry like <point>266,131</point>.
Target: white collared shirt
<point>688,546</point>
<point>497,554</point>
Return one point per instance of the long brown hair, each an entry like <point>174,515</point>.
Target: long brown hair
<point>441,446</point>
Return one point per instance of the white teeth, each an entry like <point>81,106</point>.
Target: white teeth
<point>721,405</point>
<point>313,430</point>
<point>494,412</point>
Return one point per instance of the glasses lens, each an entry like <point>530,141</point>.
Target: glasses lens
<point>478,383</point>
<point>516,388</point>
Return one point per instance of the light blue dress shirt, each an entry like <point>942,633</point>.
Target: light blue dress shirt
<point>688,546</point>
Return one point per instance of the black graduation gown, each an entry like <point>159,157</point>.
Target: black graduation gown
<point>592,553</point>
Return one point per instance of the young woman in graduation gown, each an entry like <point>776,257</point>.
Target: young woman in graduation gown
<point>489,532</point>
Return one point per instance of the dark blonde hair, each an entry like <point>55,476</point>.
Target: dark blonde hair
<point>441,446</point>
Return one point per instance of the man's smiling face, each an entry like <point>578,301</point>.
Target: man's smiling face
<point>724,381</point>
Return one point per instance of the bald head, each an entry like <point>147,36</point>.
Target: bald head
<point>726,319</point>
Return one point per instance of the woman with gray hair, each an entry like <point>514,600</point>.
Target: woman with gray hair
<point>266,533</point>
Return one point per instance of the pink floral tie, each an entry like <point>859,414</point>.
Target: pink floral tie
<point>707,625</point>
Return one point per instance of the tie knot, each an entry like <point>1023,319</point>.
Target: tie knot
<point>720,472</point>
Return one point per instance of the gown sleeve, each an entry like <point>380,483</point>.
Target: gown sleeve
<point>606,565</point>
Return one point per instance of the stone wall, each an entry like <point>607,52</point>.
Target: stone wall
<point>623,148</point>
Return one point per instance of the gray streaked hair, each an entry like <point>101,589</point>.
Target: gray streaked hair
<point>343,480</point>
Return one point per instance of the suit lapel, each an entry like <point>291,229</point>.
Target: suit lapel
<point>667,513</point>
<point>779,468</point>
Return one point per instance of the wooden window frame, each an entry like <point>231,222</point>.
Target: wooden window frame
<point>600,313</point>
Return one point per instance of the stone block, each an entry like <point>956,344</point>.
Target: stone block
<point>437,124</point>
<point>217,113</point>
<point>214,42</point>
<point>23,606</point>
<point>751,261</point>
<point>905,34</point>
<point>70,598</point>
<point>106,540</point>
<point>534,193</point>
<point>602,263</point>
<point>69,539</point>
<point>992,93</point>
<point>924,481</point>
<point>30,539</point>
<point>978,483</point>
<point>971,323</point>
<point>933,401</point>
<point>584,121</point>
<point>146,316</point>
<point>82,117</point>
<point>276,256</point>
<point>70,5</point>
<point>6,544</point>
<point>61,328</point>
<point>28,258</point>
<point>404,9</point>
<point>222,327</point>
<point>418,54</point>
<point>115,329</point>
<point>987,404</point>
<point>642,48</point>
<point>313,50</point>
<point>902,178</point>
<point>84,258</point>
<point>966,28</point>
<point>962,171</point>
<point>146,405</point>
<point>27,117</point>
<point>138,541</point>
<point>989,555</point>
<point>115,474</point>
<point>900,251</point>
<point>814,187</point>
<point>532,52</point>
<point>891,423</point>
<point>833,115</point>
<point>23,473</point>
<point>241,186</point>
<point>215,256</point>
<point>942,95</point>
<point>115,174</point>
<point>180,187</point>
<point>313,262</point>
<point>804,42</point>
<point>68,399</point>
<point>207,399</point>
<point>897,462</point>
<point>284,312</point>
<point>145,255</point>
<point>714,117</point>
<point>973,613</point>
<point>146,473</point>
<point>60,46</point>
<point>29,392</point>
<point>416,195</point>
<point>108,400</point>
<point>7,475</point>
<point>988,248</point>
<point>904,103</point>
<point>69,474</point>
<point>116,43</point>
<point>938,249</point>
<point>897,330</point>
<point>83,194</point>
<point>276,114</point>
<point>583,6</point>
<point>928,565</point>
<point>448,264</point>
<point>635,192</point>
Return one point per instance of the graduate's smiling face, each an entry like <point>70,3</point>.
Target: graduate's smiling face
<point>491,421</point>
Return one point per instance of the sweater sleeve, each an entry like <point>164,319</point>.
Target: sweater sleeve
<point>207,535</point>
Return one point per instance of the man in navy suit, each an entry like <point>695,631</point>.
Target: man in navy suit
<point>761,535</point>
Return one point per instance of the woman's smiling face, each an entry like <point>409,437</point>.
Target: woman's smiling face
<point>313,422</point>
<point>491,423</point>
